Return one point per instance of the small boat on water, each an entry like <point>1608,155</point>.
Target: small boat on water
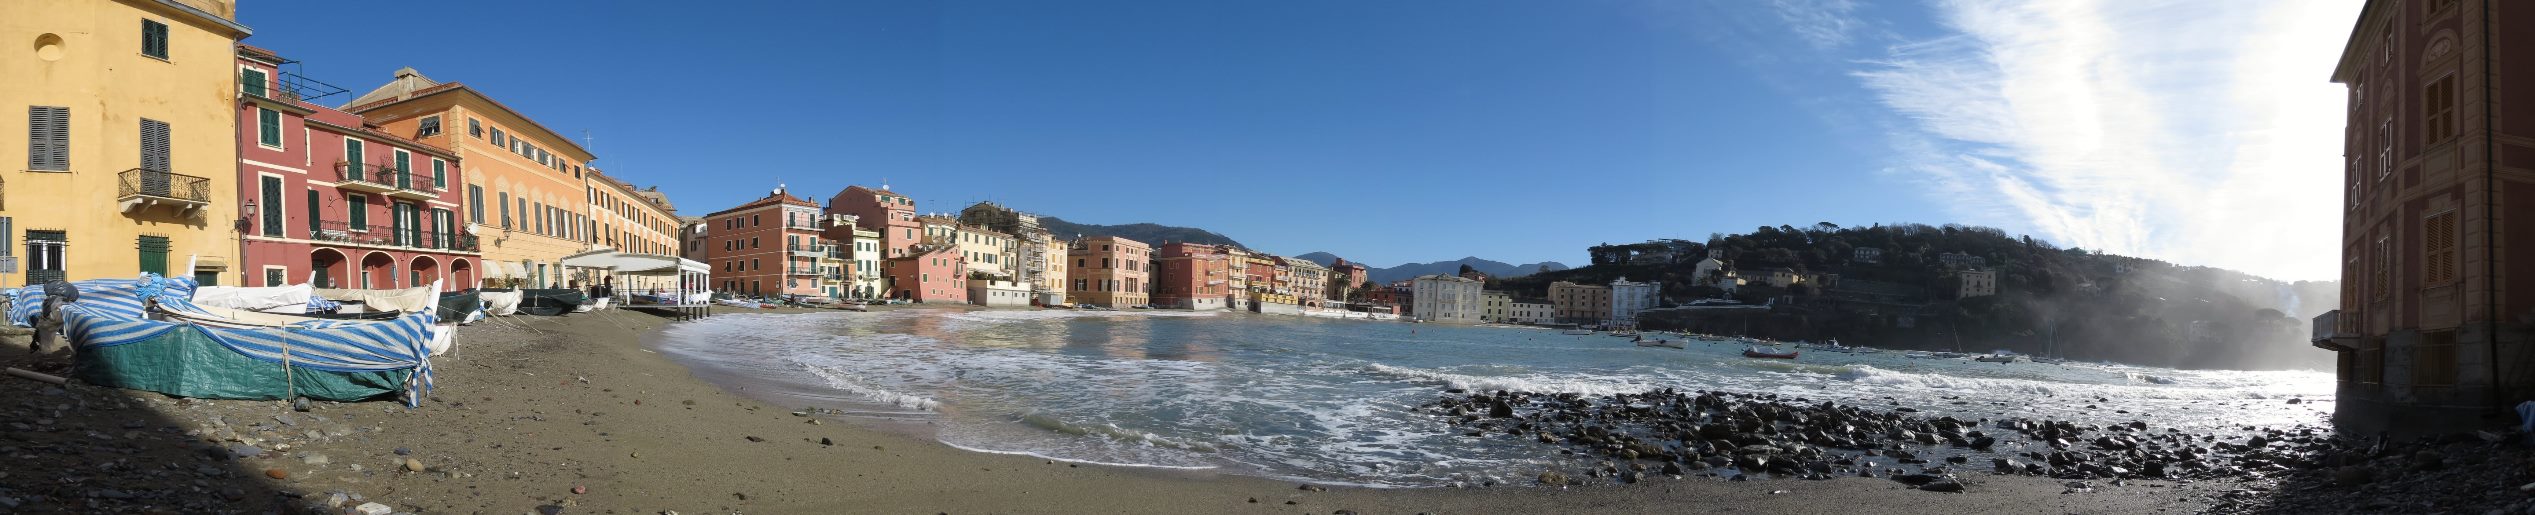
<point>1577,332</point>
<point>1669,344</point>
<point>1999,358</point>
<point>1755,351</point>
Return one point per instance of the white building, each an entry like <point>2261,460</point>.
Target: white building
<point>1445,299</point>
<point>993,293</point>
<point>1530,312</point>
<point>1630,298</point>
<point>1496,307</point>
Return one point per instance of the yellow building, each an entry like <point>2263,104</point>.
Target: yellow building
<point>529,178</point>
<point>130,112</point>
<point>633,220</point>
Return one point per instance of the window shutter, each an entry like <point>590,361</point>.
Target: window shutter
<point>268,125</point>
<point>359,214</point>
<point>48,138</point>
<point>272,213</point>
<point>404,170</point>
<point>439,174</point>
<point>252,81</point>
<point>315,215</point>
<point>153,251</point>
<point>354,168</point>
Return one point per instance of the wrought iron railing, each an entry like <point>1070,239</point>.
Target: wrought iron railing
<point>390,236</point>
<point>383,175</point>
<point>163,184</point>
<point>290,86</point>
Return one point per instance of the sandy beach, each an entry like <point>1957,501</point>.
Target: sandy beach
<point>575,415</point>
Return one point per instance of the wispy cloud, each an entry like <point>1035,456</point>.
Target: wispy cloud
<point>1824,23</point>
<point>2197,132</point>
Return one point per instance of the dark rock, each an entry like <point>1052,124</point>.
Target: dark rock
<point>2353,475</point>
<point>1947,485</point>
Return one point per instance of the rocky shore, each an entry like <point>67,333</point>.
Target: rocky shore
<point>1631,438</point>
<point>577,415</point>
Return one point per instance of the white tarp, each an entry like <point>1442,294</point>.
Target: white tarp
<point>291,299</point>
<point>406,300</point>
<point>500,303</point>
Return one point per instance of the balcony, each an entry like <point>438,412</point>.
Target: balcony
<point>2334,335</point>
<point>385,236</point>
<point>382,178</point>
<point>801,272</point>
<point>142,189</point>
<point>287,86</point>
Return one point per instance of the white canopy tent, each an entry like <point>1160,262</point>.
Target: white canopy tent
<point>688,277</point>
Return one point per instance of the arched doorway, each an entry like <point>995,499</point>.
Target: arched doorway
<point>328,268</point>
<point>423,270</point>
<point>461,274</point>
<point>378,272</point>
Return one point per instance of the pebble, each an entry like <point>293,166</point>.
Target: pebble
<point>314,459</point>
<point>277,473</point>
<point>371,508</point>
<point>337,500</point>
<point>413,465</point>
<point>400,451</point>
<point>578,489</point>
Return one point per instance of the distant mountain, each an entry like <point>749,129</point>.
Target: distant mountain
<point>1411,270</point>
<point>1150,234</point>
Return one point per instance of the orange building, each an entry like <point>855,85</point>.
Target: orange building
<point>1110,271</point>
<point>1191,276</point>
<point>529,177</point>
<point>767,247</point>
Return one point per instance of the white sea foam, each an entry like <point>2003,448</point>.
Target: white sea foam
<point>836,377</point>
<point>1534,384</point>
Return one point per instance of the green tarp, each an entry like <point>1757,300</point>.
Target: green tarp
<point>187,363</point>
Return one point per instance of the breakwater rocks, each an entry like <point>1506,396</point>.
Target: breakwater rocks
<point>1751,436</point>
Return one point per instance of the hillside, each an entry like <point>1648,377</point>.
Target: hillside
<point>1152,234</point>
<point>2049,301</point>
<point>1412,270</point>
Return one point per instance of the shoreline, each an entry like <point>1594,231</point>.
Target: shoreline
<point>535,408</point>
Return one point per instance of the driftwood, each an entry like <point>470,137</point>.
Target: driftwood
<point>39,376</point>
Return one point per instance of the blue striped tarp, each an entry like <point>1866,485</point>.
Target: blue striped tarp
<point>329,345</point>
<point>120,297</point>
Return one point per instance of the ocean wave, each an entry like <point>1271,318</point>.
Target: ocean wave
<point>1533,384</point>
<point>1110,431</point>
<point>835,377</point>
<point>1038,455</point>
<point>1869,375</point>
<point>2136,377</point>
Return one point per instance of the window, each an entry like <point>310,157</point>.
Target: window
<point>2438,255</point>
<point>276,276</point>
<point>153,251</point>
<point>47,139</point>
<point>2354,183</point>
<point>314,216</point>
<point>154,39</point>
<point>2438,101</point>
<point>428,127</point>
<point>268,127</point>
<point>498,139</point>
<point>154,151</point>
<point>503,199</point>
<point>272,208</point>
<point>358,215</point>
<point>252,81</point>
<point>404,169</point>
<point>475,204</point>
<point>439,174</point>
<point>45,256</point>
<point>353,161</point>
<point>2381,283</point>
<point>2385,149</point>
<point>475,128</point>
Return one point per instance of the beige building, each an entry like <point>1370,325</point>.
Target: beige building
<point>1310,281</point>
<point>532,178</point>
<point>1531,312</point>
<point>1580,303</point>
<point>1445,299</point>
<point>1977,283</point>
<point>1052,273</point>
<point>130,165</point>
<point>984,250</point>
<point>1496,307</point>
<point>633,220</point>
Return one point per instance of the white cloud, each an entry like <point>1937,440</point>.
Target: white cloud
<point>1824,23</point>
<point>2203,133</point>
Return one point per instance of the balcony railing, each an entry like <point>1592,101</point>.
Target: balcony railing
<point>289,86</point>
<point>2331,333</point>
<point>142,188</point>
<point>383,178</point>
<point>386,236</point>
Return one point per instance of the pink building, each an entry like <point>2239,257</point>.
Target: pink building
<point>1110,271</point>
<point>1191,276</point>
<point>888,212</point>
<point>930,274</point>
<point>334,201</point>
<point>767,247</point>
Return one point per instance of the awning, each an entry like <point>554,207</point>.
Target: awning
<point>634,264</point>
<point>515,270</point>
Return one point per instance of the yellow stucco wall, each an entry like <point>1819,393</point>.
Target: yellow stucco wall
<point>86,55</point>
<point>500,171</point>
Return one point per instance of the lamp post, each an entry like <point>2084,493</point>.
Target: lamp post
<point>246,221</point>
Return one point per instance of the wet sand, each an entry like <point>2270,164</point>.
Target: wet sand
<point>532,407</point>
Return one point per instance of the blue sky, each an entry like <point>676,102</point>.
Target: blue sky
<point>1430,130</point>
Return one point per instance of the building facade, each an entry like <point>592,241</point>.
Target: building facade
<point>1496,307</point>
<point>530,177</point>
<point>1345,278</point>
<point>767,247</point>
<point>1977,283</point>
<point>863,274</point>
<point>929,274</point>
<point>1110,271</point>
<point>1630,298</point>
<point>1310,282</point>
<point>2439,159</point>
<point>334,202</point>
<point>881,210</point>
<point>632,220</point>
<point>1523,312</point>
<point>130,110</point>
<point>1445,299</point>
<point>1191,276</point>
<point>1580,303</point>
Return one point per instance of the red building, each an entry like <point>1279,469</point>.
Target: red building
<point>881,210</point>
<point>332,200</point>
<point>930,274</point>
<point>769,246</point>
<point>2433,328</point>
<point>1191,276</point>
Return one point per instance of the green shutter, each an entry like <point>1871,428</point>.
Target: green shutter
<point>404,170</point>
<point>315,215</point>
<point>154,254</point>
<point>272,209</point>
<point>354,169</point>
<point>252,81</point>
<point>268,127</point>
<point>154,39</point>
<point>359,216</point>
<point>439,174</point>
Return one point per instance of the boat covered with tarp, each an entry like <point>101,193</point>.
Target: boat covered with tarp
<point>401,300</point>
<point>220,353</point>
<point>290,300</point>
<point>499,302</point>
<point>550,301</point>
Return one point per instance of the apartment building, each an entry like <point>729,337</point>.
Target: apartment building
<point>529,176</point>
<point>1191,276</point>
<point>768,247</point>
<point>1110,271</point>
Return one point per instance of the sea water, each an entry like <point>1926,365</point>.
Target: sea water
<point>1339,401</point>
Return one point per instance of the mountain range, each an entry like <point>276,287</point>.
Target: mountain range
<point>1150,234</point>
<point>1491,267</point>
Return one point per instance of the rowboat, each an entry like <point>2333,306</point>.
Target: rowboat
<point>1756,352</point>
